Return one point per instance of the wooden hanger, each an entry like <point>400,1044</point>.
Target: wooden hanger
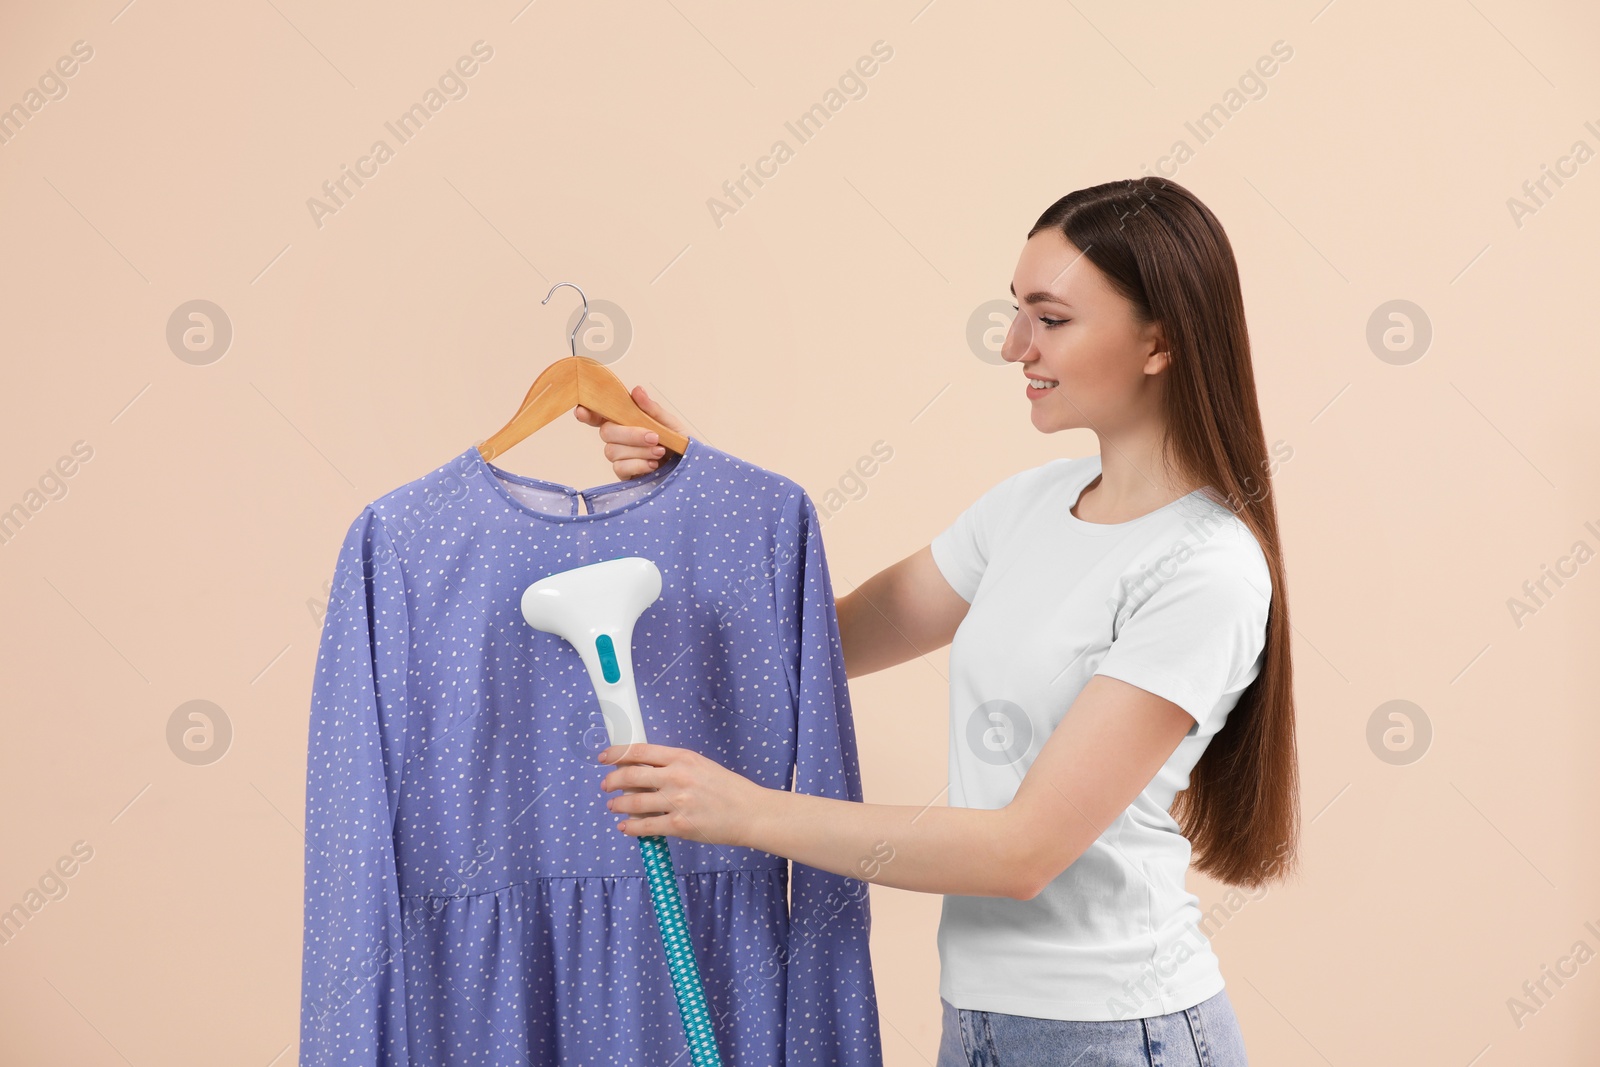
<point>568,382</point>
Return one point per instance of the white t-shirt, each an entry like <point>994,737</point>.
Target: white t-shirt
<point>1174,602</point>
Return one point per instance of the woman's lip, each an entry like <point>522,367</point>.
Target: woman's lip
<point>1034,394</point>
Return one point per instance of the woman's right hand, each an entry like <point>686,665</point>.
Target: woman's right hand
<point>632,450</point>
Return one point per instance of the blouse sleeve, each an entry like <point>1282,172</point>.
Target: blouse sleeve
<point>352,996</point>
<point>1197,627</point>
<point>831,1014</point>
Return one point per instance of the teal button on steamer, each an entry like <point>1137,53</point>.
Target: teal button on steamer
<point>594,608</point>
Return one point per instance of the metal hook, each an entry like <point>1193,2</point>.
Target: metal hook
<point>572,341</point>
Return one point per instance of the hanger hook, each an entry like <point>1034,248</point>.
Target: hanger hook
<point>572,341</point>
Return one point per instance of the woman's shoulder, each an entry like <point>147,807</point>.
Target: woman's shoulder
<point>1218,537</point>
<point>1051,472</point>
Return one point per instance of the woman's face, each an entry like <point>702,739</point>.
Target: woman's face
<point>1072,328</point>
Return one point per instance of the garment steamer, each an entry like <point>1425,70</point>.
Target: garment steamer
<point>594,608</point>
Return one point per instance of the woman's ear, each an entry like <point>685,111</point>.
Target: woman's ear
<point>1159,357</point>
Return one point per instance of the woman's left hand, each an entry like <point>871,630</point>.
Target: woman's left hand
<point>683,794</point>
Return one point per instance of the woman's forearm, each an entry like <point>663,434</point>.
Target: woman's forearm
<point>933,849</point>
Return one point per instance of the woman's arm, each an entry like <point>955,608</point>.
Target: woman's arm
<point>905,610</point>
<point>1102,754</point>
<point>1106,749</point>
<point>902,611</point>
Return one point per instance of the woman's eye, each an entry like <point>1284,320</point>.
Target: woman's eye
<point>1047,322</point>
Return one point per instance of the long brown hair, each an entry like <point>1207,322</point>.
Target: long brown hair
<point>1166,252</point>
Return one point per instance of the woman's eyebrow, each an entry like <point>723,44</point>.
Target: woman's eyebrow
<point>1040,297</point>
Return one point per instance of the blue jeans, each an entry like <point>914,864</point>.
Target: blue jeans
<point>1206,1035</point>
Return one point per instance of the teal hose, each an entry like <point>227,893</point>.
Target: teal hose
<point>680,952</point>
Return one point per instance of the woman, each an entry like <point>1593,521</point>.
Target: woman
<point>1119,641</point>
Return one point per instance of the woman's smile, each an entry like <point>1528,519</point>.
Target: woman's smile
<point>1038,387</point>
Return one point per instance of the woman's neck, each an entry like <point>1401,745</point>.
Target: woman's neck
<point>1134,480</point>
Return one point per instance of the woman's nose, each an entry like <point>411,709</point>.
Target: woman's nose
<point>1019,339</point>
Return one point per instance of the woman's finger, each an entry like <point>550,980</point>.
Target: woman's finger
<point>648,405</point>
<point>632,468</point>
<point>632,450</point>
<point>639,437</point>
<point>636,802</point>
<point>639,752</point>
<point>632,776</point>
<point>616,450</point>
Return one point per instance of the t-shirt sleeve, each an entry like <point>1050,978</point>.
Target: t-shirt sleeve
<point>1198,625</point>
<point>963,549</point>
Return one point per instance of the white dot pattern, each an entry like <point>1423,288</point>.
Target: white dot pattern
<point>468,898</point>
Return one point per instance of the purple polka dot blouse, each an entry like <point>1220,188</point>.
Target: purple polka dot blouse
<point>468,898</point>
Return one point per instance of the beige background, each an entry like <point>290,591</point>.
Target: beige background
<point>829,312</point>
